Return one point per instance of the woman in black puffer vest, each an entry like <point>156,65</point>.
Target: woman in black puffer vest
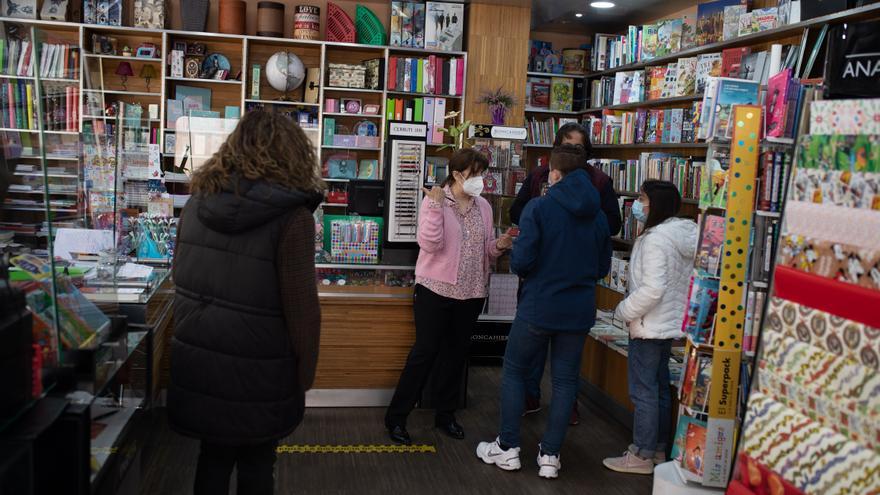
<point>246,314</point>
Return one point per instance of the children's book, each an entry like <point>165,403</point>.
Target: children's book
<point>708,259</point>
<point>765,19</point>
<point>708,65</point>
<point>710,20</point>
<point>650,41</point>
<point>561,93</point>
<point>746,25</point>
<point>670,81</point>
<point>776,103</point>
<point>700,394</point>
<point>732,14</point>
<point>699,318</point>
<point>687,76</point>
<point>669,37</point>
<point>679,444</point>
<point>688,32</point>
<point>657,77</point>
<point>714,178</point>
<point>731,61</point>
<point>731,92</point>
<point>695,448</point>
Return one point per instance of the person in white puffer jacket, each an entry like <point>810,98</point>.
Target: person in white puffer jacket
<point>659,273</point>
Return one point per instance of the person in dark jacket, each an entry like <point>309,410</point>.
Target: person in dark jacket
<point>533,187</point>
<point>563,249</point>
<point>246,314</point>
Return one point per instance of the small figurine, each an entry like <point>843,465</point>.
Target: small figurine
<point>126,51</point>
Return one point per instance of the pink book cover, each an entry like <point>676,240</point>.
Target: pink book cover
<point>429,74</point>
<point>459,76</point>
<point>11,105</point>
<point>453,63</point>
<point>776,103</point>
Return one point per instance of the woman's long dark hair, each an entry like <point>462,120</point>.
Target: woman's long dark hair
<point>665,201</point>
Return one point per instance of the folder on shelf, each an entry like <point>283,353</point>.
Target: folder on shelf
<point>459,77</point>
<point>418,115</point>
<point>389,109</point>
<point>392,73</point>
<point>398,109</point>
<point>428,115</point>
<point>439,114</point>
<point>420,76</point>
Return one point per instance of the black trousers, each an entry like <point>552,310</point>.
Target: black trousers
<point>255,463</point>
<point>444,328</point>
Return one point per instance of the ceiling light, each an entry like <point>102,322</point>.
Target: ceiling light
<point>602,5</point>
<point>579,15</point>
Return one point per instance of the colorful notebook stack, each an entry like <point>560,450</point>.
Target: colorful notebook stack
<point>819,431</point>
<point>430,110</point>
<point>433,75</point>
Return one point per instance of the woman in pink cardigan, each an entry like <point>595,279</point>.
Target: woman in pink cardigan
<point>457,241</point>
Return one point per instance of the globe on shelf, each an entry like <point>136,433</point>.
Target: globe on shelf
<point>285,71</point>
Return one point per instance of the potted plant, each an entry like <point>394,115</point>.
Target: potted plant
<point>499,102</point>
<point>456,132</point>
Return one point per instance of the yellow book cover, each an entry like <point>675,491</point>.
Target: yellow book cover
<point>30,106</point>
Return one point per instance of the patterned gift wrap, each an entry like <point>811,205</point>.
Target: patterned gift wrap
<point>813,458</point>
<point>354,242</point>
<point>834,260</point>
<point>858,227</point>
<point>838,187</point>
<point>845,116</point>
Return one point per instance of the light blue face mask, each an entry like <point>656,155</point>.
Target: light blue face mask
<point>638,212</point>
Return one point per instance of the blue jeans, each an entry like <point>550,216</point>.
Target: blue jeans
<point>648,367</point>
<point>523,345</point>
<point>536,374</point>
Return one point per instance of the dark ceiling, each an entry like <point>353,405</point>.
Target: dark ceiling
<point>559,15</point>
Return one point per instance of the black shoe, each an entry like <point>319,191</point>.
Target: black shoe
<point>452,429</point>
<point>398,434</point>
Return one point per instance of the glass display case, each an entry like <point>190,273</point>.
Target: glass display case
<point>335,280</point>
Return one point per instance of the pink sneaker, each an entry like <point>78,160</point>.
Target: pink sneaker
<point>630,463</point>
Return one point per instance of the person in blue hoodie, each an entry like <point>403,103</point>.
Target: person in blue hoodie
<point>563,248</point>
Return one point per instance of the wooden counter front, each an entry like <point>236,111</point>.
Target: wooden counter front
<point>364,341</point>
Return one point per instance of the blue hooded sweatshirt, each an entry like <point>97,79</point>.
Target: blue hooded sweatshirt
<point>563,248</point>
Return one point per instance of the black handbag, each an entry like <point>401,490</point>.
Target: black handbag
<point>852,67</point>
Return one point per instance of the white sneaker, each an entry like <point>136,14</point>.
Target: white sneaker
<point>630,463</point>
<point>492,453</point>
<point>548,466</point>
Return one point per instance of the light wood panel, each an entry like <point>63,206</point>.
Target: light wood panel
<point>607,370</point>
<point>364,342</point>
<point>498,43</point>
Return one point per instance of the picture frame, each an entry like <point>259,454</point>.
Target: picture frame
<point>103,45</point>
<point>371,109</point>
<point>192,68</point>
<point>179,46</point>
<point>196,49</point>
<point>351,105</point>
<point>146,50</point>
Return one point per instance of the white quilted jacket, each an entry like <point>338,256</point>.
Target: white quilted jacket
<point>659,273</point>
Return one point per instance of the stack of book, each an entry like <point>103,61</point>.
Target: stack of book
<point>60,61</point>
<point>432,75</point>
<point>17,57</point>
<point>562,94</point>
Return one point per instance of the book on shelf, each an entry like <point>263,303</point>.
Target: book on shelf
<point>629,175</point>
<point>628,87</point>
<point>765,229</point>
<point>695,449</point>
<point>687,77</point>
<point>679,445</point>
<point>643,126</point>
<point>60,108</point>
<point>731,61</point>
<point>710,20</point>
<point>657,82</point>
<point>432,75</point>
<point>718,101</point>
<point>708,65</point>
<point>538,93</point>
<point>702,301</point>
<point>732,14</point>
<point>670,81</point>
<point>17,102</point>
<point>561,94</point>
<point>714,178</point>
<point>60,61</point>
<point>650,41</point>
<point>709,249</point>
<point>754,317</point>
<point>669,37</point>
<point>543,131</point>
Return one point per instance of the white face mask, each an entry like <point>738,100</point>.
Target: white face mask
<point>473,186</point>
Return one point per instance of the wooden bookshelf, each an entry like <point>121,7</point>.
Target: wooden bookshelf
<point>779,33</point>
<point>651,146</point>
<point>649,103</point>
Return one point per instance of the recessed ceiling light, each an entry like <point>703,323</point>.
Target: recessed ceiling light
<point>579,15</point>
<point>602,5</point>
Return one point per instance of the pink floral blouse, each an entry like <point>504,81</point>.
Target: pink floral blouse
<point>471,279</point>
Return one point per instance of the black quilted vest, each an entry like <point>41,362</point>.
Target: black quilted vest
<point>233,371</point>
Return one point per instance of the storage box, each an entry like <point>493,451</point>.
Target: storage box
<point>374,72</point>
<point>367,141</point>
<point>347,75</point>
<point>345,140</point>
